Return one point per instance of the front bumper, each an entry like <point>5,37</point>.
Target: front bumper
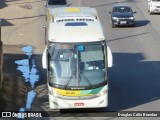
<point>58,103</point>
<point>155,10</point>
<point>125,22</point>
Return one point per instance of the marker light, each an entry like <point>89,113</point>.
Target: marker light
<point>73,10</point>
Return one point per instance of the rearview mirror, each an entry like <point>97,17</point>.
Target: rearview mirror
<point>110,57</point>
<point>44,59</point>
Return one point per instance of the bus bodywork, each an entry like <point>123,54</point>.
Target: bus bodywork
<point>77,60</point>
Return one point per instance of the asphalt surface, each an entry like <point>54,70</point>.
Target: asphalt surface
<point>134,79</point>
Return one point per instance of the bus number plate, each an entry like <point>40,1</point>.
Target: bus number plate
<point>78,104</point>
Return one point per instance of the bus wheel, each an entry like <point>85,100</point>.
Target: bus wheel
<point>103,109</point>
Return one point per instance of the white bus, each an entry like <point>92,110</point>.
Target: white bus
<point>77,59</point>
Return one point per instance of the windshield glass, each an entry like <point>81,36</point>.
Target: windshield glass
<point>77,65</point>
<point>57,2</point>
<point>122,9</point>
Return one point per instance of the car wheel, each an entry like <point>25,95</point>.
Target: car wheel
<point>113,25</point>
<point>151,13</point>
<point>133,25</point>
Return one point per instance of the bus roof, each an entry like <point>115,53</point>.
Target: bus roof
<point>87,31</point>
<point>73,12</point>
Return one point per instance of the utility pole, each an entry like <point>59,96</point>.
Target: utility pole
<point>0,32</point>
<point>1,57</point>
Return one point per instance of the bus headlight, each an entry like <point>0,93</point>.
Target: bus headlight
<point>101,102</point>
<point>52,93</point>
<point>102,93</point>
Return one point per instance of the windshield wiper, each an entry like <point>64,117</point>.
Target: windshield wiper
<point>86,79</point>
<point>69,80</point>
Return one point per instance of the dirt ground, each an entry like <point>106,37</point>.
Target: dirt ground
<point>13,89</point>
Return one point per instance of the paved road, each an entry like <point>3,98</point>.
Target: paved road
<point>134,78</point>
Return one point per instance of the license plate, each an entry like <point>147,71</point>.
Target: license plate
<point>78,104</point>
<point>123,22</point>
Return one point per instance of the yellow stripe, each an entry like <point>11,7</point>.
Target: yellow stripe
<point>70,92</point>
<point>67,92</point>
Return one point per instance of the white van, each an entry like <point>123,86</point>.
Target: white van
<point>153,6</point>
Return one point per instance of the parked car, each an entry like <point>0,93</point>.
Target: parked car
<point>122,16</point>
<point>153,6</point>
<point>56,3</point>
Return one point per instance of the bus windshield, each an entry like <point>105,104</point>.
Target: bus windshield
<point>77,65</point>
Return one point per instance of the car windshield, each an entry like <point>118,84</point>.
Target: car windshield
<point>77,64</point>
<point>122,9</point>
<point>57,2</point>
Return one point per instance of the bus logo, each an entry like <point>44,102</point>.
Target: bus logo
<point>78,104</point>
